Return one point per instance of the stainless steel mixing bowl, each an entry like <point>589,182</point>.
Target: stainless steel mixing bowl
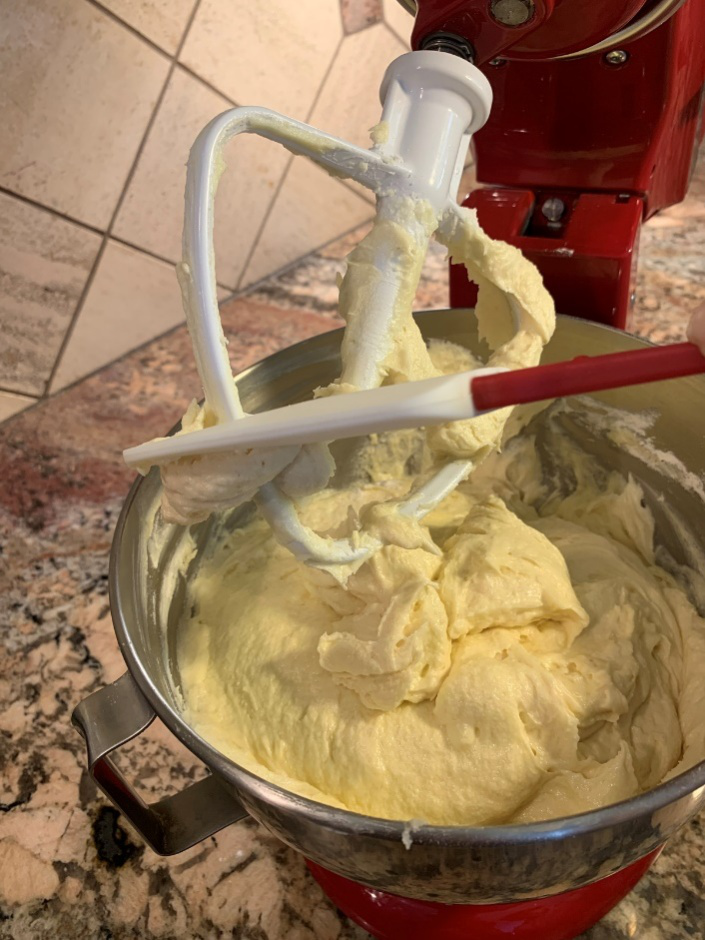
<point>450,864</point>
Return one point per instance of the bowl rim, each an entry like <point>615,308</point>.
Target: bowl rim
<point>345,820</point>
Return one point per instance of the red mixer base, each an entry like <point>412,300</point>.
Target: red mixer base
<point>561,917</point>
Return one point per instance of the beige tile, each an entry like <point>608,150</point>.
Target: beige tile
<point>273,54</point>
<point>152,214</point>
<point>311,209</point>
<point>398,19</point>
<point>12,404</point>
<point>132,299</point>
<point>349,102</point>
<point>44,265</point>
<point>162,21</point>
<point>349,108</point>
<point>77,92</point>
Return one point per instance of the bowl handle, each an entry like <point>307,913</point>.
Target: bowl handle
<point>111,717</point>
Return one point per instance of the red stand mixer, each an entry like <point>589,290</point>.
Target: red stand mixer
<point>595,126</point>
<point>597,117</point>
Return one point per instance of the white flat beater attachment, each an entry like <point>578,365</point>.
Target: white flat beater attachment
<point>432,103</point>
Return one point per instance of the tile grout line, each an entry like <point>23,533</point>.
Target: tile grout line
<point>346,183</point>
<point>107,232</point>
<point>153,254</point>
<point>22,411</point>
<point>56,212</point>
<point>287,168</point>
<point>173,57</point>
<point>91,228</point>
<point>206,84</point>
<point>237,295</point>
<point>75,315</point>
<point>106,236</point>
<point>405,42</point>
<point>96,228</point>
<point>145,251</point>
<point>265,219</point>
<point>256,285</point>
<point>13,391</point>
<point>131,29</point>
<point>342,18</point>
<point>370,200</point>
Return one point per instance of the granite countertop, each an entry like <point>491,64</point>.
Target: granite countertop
<point>69,865</point>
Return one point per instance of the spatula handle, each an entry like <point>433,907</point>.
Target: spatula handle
<point>586,374</point>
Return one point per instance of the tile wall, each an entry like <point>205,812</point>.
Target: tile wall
<point>100,104</point>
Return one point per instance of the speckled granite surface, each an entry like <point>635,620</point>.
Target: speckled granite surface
<point>69,867</point>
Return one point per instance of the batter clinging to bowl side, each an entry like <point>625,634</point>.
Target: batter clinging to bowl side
<point>518,655</point>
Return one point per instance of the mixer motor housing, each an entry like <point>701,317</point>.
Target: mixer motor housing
<point>581,146</point>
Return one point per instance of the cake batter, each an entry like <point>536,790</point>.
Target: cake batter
<point>522,658</point>
<point>516,656</point>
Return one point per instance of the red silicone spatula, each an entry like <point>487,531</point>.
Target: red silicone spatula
<point>431,401</point>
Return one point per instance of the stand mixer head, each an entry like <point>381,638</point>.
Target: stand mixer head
<point>596,122</point>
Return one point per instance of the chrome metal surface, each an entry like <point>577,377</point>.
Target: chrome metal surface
<point>616,57</point>
<point>451,864</point>
<point>635,30</point>
<point>115,715</point>
<point>450,43</point>
<point>512,12</point>
<point>553,209</point>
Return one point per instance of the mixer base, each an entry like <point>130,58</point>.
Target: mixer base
<point>561,917</point>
